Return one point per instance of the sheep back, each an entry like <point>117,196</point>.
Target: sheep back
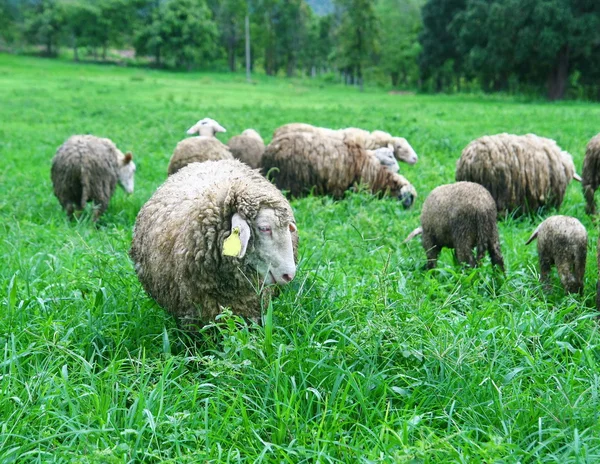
<point>461,216</point>
<point>590,175</point>
<point>522,172</point>
<point>85,168</point>
<point>247,149</point>
<point>197,150</point>
<point>178,236</point>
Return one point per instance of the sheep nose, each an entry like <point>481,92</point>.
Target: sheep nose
<point>287,277</point>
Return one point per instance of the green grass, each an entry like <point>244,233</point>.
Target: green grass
<point>365,358</point>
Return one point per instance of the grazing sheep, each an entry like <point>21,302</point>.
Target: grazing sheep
<point>591,173</point>
<point>460,216</point>
<point>598,283</point>
<point>562,242</point>
<point>88,168</point>
<point>248,148</point>
<point>371,140</point>
<point>307,161</point>
<point>385,155</point>
<point>522,172</point>
<point>206,127</point>
<point>212,236</point>
<point>204,147</point>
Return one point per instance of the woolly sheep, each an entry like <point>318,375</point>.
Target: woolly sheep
<point>213,236</point>
<point>591,173</point>
<point>461,216</point>
<point>562,242</point>
<point>371,140</point>
<point>87,168</point>
<point>248,148</point>
<point>204,147</point>
<point>522,172</point>
<point>305,161</point>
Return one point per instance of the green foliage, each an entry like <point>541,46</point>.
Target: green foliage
<point>181,32</point>
<point>364,357</point>
<point>357,37</point>
<point>400,25</point>
<point>44,24</point>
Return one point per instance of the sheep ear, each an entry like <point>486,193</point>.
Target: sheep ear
<point>217,127</point>
<point>193,130</point>
<point>128,157</point>
<point>237,242</point>
<point>577,177</point>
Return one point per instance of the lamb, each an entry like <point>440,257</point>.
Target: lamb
<point>591,173</point>
<point>87,168</point>
<point>522,172</point>
<point>461,216</point>
<point>214,235</point>
<point>562,242</point>
<point>198,149</point>
<point>371,140</point>
<point>307,161</point>
<point>248,148</point>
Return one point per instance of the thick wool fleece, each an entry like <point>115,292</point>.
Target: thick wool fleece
<point>85,168</point>
<point>248,149</point>
<point>308,162</point>
<point>461,216</point>
<point>522,172</point>
<point>178,241</point>
<point>590,176</point>
<point>197,150</point>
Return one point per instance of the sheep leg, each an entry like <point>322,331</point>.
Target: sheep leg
<point>99,210</point>
<point>588,193</point>
<point>496,254</point>
<point>432,251</point>
<point>70,208</point>
<point>464,254</point>
<point>545,268</point>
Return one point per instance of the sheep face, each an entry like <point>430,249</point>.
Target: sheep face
<point>403,151</point>
<point>126,173</point>
<point>407,195</point>
<point>207,127</point>
<point>273,255</point>
<point>385,155</point>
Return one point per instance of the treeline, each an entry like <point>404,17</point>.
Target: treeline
<point>512,45</point>
<point>372,38</point>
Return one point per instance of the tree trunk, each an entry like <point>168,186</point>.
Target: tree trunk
<point>104,49</point>
<point>557,80</point>
<point>360,79</point>
<point>394,75</point>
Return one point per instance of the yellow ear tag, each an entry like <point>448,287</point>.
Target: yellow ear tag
<point>232,245</point>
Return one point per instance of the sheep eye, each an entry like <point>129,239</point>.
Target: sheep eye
<point>264,229</point>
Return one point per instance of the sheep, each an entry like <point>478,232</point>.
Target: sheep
<point>248,147</point>
<point>202,148</point>
<point>371,140</point>
<point>522,172</point>
<point>591,173</point>
<point>306,161</point>
<point>214,235</point>
<point>461,216</point>
<point>562,242</point>
<point>385,155</point>
<point>87,168</point>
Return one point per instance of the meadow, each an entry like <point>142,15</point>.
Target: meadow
<point>365,356</point>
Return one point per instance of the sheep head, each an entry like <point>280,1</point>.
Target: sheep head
<point>271,253</point>
<point>403,151</point>
<point>126,172</point>
<point>207,127</point>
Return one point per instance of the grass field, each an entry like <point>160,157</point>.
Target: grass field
<point>368,359</point>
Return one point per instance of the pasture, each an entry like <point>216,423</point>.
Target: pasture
<point>365,357</point>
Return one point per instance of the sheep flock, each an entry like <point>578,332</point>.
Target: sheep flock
<point>220,232</point>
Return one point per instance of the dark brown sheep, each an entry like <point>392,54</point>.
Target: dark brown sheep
<point>590,176</point>
<point>562,242</point>
<point>461,216</point>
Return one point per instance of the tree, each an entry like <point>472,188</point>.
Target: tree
<point>44,24</point>
<point>357,37</point>
<point>81,23</point>
<point>439,49</point>
<point>401,24</point>
<point>182,32</point>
